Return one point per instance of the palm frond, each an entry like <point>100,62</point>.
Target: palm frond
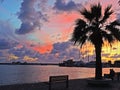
<point>107,14</point>
<point>114,31</point>
<point>115,23</point>
<point>108,37</point>
<point>76,34</point>
<point>81,23</point>
<point>78,30</point>
<point>96,10</point>
<point>87,14</point>
<point>82,40</point>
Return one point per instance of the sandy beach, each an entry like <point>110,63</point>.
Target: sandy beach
<point>76,84</point>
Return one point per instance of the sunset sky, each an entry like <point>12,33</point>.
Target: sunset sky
<point>40,31</point>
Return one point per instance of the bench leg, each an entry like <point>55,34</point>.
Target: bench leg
<point>118,77</point>
<point>49,85</point>
<point>67,84</point>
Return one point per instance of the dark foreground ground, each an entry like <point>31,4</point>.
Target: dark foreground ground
<point>77,84</point>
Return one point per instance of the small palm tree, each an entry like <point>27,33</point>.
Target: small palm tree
<point>96,28</point>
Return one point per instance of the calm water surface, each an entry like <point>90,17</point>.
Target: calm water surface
<point>17,74</point>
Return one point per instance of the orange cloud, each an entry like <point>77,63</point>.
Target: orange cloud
<point>65,17</point>
<point>57,55</point>
<point>62,20</point>
<point>13,57</point>
<point>18,46</point>
<point>60,26</point>
<point>27,58</point>
<point>43,49</point>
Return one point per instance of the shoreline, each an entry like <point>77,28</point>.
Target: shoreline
<point>74,84</point>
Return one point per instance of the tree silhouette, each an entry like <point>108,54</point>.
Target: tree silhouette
<point>96,28</point>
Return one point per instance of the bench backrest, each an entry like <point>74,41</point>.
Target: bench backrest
<point>58,78</point>
<point>54,79</point>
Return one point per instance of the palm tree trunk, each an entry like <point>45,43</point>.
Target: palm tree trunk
<point>98,69</point>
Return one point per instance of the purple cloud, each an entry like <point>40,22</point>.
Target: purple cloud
<point>30,16</point>
<point>63,6</point>
<point>61,51</point>
<point>65,51</point>
<point>60,47</point>
<point>6,30</point>
<point>115,56</point>
<point>4,44</point>
<point>43,4</point>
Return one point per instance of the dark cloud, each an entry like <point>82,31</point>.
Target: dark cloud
<point>30,17</point>
<point>105,54</point>
<point>115,56</point>
<point>43,5</point>
<point>21,52</point>
<point>63,6</point>
<point>65,51</point>
<point>4,44</point>
<point>60,47</point>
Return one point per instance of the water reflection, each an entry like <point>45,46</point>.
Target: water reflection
<point>14,74</point>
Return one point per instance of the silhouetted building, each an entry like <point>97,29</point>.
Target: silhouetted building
<point>117,63</point>
<point>79,63</point>
<point>106,64</point>
<point>91,64</point>
<point>68,63</point>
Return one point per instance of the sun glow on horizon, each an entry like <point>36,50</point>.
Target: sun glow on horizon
<point>109,53</point>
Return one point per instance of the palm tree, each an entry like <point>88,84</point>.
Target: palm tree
<point>96,28</point>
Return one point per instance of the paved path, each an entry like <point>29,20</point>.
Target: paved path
<point>78,84</point>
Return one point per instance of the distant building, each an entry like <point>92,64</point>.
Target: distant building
<point>106,64</point>
<point>117,63</point>
<point>91,64</point>
<point>79,63</point>
<point>109,62</point>
<point>71,63</point>
<point>68,63</point>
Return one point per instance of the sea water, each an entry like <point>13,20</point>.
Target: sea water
<point>19,74</point>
